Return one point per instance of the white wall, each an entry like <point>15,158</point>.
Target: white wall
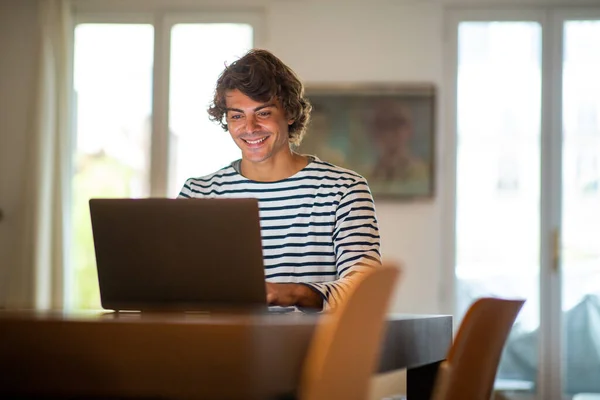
<point>323,41</point>
<point>18,44</point>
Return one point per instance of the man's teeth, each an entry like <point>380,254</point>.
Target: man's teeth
<point>256,141</point>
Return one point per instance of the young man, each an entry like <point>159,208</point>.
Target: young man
<point>318,221</point>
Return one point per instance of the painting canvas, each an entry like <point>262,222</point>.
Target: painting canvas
<point>385,133</point>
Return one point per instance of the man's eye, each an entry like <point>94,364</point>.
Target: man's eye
<point>264,113</point>
<point>237,116</point>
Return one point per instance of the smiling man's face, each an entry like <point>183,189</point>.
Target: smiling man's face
<point>259,129</point>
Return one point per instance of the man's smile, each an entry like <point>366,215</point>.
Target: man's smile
<point>255,142</point>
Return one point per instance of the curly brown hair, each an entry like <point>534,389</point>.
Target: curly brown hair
<point>263,77</point>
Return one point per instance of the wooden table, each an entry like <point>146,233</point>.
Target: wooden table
<point>224,356</point>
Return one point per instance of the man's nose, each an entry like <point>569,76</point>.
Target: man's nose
<point>251,125</point>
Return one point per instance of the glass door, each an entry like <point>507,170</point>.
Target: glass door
<point>527,193</point>
<point>580,209</point>
<point>498,181</point>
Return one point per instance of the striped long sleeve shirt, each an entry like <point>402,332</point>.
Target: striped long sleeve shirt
<point>318,226</point>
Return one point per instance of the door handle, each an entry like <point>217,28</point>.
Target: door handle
<point>556,250</point>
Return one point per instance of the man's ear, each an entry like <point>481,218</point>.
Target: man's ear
<point>290,118</point>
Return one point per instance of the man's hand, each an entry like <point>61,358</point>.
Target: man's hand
<point>293,294</point>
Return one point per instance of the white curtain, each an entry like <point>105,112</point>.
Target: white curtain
<point>38,279</point>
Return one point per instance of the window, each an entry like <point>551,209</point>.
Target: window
<point>193,76</point>
<point>113,97</point>
<point>141,130</point>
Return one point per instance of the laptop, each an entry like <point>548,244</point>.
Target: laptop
<point>159,254</point>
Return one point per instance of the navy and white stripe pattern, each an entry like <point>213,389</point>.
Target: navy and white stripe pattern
<point>318,226</point>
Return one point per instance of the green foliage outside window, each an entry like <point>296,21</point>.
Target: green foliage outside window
<point>97,176</point>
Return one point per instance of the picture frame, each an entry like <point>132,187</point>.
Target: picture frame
<point>384,132</point>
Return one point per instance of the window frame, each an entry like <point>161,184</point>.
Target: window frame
<point>152,13</point>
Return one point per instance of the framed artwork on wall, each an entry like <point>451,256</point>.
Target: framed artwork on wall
<point>385,132</point>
